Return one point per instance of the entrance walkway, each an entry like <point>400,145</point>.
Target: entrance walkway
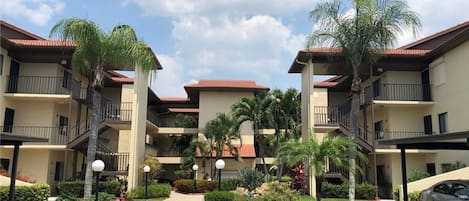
<point>185,197</point>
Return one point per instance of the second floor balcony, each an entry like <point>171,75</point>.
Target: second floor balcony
<point>55,135</point>
<point>39,85</point>
<point>397,92</point>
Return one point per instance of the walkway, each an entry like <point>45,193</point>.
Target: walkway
<point>185,197</point>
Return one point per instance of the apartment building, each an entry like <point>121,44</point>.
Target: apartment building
<point>41,96</point>
<point>413,91</point>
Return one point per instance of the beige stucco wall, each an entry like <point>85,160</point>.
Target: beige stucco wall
<point>33,163</point>
<point>320,97</point>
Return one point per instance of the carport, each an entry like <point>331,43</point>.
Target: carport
<point>16,141</point>
<point>446,141</point>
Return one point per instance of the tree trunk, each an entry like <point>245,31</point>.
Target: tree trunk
<point>92,140</point>
<point>261,154</point>
<point>319,180</point>
<point>277,145</point>
<point>354,131</point>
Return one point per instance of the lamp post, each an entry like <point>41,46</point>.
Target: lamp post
<point>195,167</point>
<point>97,166</point>
<point>220,164</point>
<point>146,169</point>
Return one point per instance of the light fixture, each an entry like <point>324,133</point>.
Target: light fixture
<point>63,61</point>
<point>220,164</point>
<point>195,167</point>
<point>146,169</point>
<point>379,70</point>
<point>97,166</point>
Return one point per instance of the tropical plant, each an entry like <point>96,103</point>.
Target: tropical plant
<point>361,35</point>
<point>185,121</point>
<point>254,110</point>
<point>95,52</point>
<point>250,179</point>
<point>190,155</point>
<point>220,133</point>
<point>314,154</point>
<point>448,167</point>
<point>155,166</point>
<point>417,174</point>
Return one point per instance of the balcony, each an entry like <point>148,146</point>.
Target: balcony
<point>387,93</point>
<point>116,111</point>
<point>391,135</point>
<point>115,163</point>
<point>38,86</point>
<point>56,135</point>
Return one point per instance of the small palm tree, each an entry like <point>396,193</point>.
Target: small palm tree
<point>95,52</point>
<point>190,155</point>
<point>361,36</point>
<point>220,133</point>
<point>314,154</point>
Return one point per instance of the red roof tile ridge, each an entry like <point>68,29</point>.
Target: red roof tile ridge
<point>42,43</point>
<point>226,83</point>
<point>21,30</point>
<point>435,35</point>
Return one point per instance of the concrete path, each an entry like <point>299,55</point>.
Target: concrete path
<point>185,197</point>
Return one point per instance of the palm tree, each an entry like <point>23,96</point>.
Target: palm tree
<point>361,35</point>
<point>314,154</point>
<point>220,133</point>
<point>190,155</point>
<point>253,109</point>
<point>97,51</point>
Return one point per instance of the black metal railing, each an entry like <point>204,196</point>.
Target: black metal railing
<point>55,135</point>
<point>332,168</point>
<point>388,135</point>
<point>170,151</point>
<point>38,85</point>
<point>114,161</point>
<point>117,111</point>
<point>398,92</point>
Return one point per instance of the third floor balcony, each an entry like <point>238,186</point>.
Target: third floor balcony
<point>394,92</point>
<point>41,85</point>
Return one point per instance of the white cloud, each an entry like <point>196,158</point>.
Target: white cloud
<point>169,80</point>
<point>38,12</point>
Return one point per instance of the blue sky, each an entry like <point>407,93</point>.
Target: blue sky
<point>213,39</point>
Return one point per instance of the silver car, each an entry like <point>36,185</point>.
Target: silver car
<point>451,190</point>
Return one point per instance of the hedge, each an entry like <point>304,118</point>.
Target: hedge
<point>36,192</point>
<point>154,191</point>
<point>219,196</point>
<point>229,184</point>
<point>187,186</point>
<point>413,196</point>
<point>362,191</point>
<point>76,188</point>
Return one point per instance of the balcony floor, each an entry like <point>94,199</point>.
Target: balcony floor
<point>38,97</point>
<point>395,103</point>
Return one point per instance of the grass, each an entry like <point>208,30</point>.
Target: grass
<point>308,198</point>
<point>150,199</point>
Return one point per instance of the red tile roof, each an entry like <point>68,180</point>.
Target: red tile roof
<point>173,99</point>
<point>387,52</point>
<point>238,84</point>
<point>436,35</point>
<point>329,82</point>
<point>18,29</point>
<point>245,151</point>
<point>42,43</point>
<point>184,110</point>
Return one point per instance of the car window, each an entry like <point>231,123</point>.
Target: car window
<point>462,192</point>
<point>457,186</point>
<point>442,188</point>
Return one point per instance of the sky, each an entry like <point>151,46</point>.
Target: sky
<point>214,39</point>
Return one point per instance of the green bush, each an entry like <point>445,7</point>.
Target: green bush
<point>67,197</point>
<point>103,196</point>
<point>285,179</point>
<point>187,186</point>
<point>229,184</point>
<point>362,191</point>
<point>250,179</point>
<point>182,174</point>
<point>36,192</point>
<point>413,196</point>
<point>154,191</point>
<point>219,196</point>
<point>77,187</point>
<point>417,175</point>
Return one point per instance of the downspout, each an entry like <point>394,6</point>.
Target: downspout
<point>375,171</point>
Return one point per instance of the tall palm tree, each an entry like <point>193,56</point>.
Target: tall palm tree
<point>220,133</point>
<point>97,51</point>
<point>361,34</point>
<point>314,154</point>
<point>254,110</point>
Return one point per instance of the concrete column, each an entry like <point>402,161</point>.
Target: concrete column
<point>307,116</point>
<point>137,128</point>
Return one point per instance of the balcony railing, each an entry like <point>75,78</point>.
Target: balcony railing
<point>56,135</point>
<point>114,162</point>
<point>38,85</point>
<point>390,135</point>
<point>398,92</point>
<point>326,115</point>
<point>117,111</point>
<point>171,152</point>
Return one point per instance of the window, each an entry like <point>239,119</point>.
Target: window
<point>376,88</point>
<point>66,80</point>
<point>63,123</point>
<point>431,169</point>
<point>443,122</point>
<point>4,164</point>
<point>8,120</point>
<point>427,124</point>
<point>379,130</point>
<point>443,188</point>
<point>1,64</point>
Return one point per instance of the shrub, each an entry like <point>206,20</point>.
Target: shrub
<point>250,179</point>
<point>154,191</point>
<point>103,196</point>
<point>155,166</point>
<point>187,186</point>
<point>285,179</point>
<point>417,175</point>
<point>448,167</point>
<point>182,174</point>
<point>362,191</point>
<point>413,196</point>
<point>76,188</point>
<point>219,196</point>
<point>229,184</point>
<point>298,178</point>
<point>67,197</point>
<point>36,192</point>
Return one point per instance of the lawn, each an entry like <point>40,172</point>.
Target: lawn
<point>307,198</point>
<point>150,199</point>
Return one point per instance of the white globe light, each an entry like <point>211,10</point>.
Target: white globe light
<point>220,164</point>
<point>195,167</point>
<point>146,168</point>
<point>97,166</point>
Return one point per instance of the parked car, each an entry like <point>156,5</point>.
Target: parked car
<point>451,190</point>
